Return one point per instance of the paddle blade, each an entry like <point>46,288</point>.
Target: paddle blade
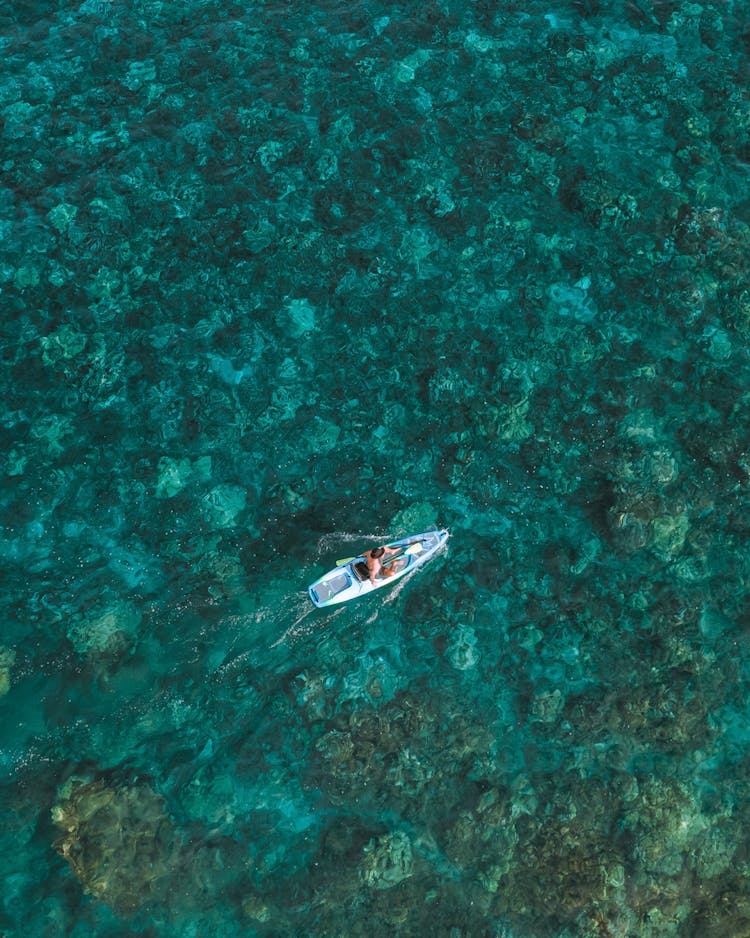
<point>340,563</point>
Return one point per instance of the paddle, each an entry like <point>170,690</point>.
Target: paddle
<point>414,548</point>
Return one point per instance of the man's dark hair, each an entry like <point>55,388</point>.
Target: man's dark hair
<point>377,551</point>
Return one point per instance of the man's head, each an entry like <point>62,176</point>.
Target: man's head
<point>377,551</point>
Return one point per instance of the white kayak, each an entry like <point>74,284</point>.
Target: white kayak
<point>350,578</point>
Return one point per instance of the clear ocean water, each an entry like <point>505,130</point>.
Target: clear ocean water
<point>280,281</point>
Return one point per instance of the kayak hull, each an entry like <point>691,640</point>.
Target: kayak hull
<point>345,583</point>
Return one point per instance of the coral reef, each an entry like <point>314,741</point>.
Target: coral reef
<point>281,281</point>
<point>7,660</point>
<point>119,842</point>
<point>387,861</point>
<point>105,631</point>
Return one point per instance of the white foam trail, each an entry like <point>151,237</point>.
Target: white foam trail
<point>330,542</point>
<point>293,632</point>
<point>293,627</point>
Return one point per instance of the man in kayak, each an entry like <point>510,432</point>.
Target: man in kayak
<point>375,558</point>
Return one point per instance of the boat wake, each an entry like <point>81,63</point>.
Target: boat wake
<point>297,631</point>
<point>295,628</point>
<point>395,591</point>
<point>329,543</point>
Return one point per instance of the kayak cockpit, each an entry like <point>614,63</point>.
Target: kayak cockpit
<point>359,569</point>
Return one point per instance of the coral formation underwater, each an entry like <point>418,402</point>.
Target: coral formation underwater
<point>118,842</point>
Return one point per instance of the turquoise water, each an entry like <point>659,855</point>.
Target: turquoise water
<point>280,281</point>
